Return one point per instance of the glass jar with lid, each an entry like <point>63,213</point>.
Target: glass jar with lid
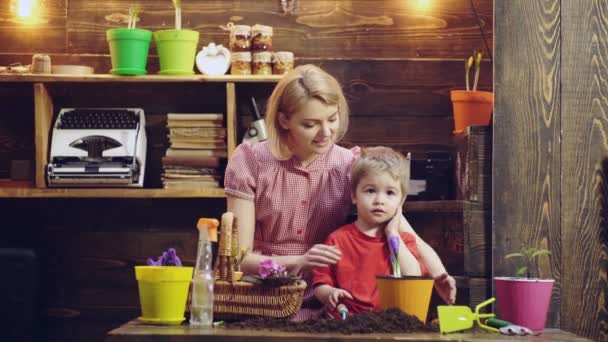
<point>261,38</point>
<point>240,37</point>
<point>241,63</point>
<point>262,63</point>
<point>282,62</point>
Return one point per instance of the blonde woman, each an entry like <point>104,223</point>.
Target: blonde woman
<point>291,191</point>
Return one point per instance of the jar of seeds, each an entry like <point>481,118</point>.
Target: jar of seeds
<point>262,63</point>
<point>240,37</point>
<point>261,38</point>
<point>282,62</point>
<point>241,63</point>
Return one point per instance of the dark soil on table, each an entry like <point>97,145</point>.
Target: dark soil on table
<point>386,321</point>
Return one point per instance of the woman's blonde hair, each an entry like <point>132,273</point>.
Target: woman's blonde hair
<point>302,84</point>
<point>382,159</point>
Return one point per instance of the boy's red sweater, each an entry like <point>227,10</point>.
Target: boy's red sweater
<point>363,257</point>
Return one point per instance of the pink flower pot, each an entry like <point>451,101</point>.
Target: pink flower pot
<point>524,301</point>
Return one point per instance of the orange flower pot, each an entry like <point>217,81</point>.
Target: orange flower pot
<point>471,108</point>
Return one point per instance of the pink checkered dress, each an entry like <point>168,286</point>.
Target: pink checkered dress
<point>296,206</point>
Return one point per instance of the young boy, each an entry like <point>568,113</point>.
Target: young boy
<point>380,179</point>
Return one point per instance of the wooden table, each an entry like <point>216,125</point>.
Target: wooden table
<point>136,332</point>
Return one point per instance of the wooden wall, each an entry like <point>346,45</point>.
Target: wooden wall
<point>550,156</point>
<point>395,60</point>
<point>584,190</point>
<point>526,164</point>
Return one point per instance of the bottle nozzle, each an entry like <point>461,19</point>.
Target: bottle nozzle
<point>208,227</point>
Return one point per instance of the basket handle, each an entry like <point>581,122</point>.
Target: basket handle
<point>225,264</point>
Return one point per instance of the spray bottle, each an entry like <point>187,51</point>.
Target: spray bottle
<point>201,305</point>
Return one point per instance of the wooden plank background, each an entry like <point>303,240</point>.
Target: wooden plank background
<point>321,29</point>
<point>584,126</point>
<point>526,152</point>
<point>396,61</point>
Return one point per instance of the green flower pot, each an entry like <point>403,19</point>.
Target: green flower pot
<point>176,51</point>
<point>129,50</point>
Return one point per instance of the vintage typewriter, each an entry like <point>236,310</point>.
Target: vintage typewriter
<point>98,147</point>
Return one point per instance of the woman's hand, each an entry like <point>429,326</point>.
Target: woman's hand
<point>446,287</point>
<point>318,256</point>
<point>334,298</point>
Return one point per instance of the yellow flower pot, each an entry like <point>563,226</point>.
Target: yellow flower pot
<point>411,295</point>
<point>163,293</point>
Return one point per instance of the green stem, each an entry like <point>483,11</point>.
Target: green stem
<point>178,18</point>
<point>476,78</point>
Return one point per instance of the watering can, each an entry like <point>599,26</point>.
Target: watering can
<point>457,317</point>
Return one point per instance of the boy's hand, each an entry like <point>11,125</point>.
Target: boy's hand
<point>392,227</point>
<point>334,298</point>
<point>446,287</point>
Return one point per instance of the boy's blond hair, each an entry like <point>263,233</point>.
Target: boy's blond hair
<point>302,84</point>
<point>382,159</point>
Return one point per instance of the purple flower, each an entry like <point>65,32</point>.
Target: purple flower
<point>168,258</point>
<point>393,243</point>
<point>269,268</point>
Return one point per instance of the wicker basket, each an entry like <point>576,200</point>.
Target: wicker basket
<point>238,299</point>
<point>241,299</point>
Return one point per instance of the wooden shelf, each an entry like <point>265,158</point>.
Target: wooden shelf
<point>107,78</point>
<point>418,206</point>
<point>109,193</point>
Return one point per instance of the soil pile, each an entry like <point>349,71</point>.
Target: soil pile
<point>386,321</point>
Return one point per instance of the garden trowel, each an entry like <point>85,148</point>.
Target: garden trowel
<point>457,317</point>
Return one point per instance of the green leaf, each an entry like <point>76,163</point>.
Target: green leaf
<point>530,251</point>
<point>478,57</point>
<point>253,279</point>
<point>513,255</point>
<point>540,252</point>
<point>134,11</point>
<point>521,271</point>
<point>469,63</point>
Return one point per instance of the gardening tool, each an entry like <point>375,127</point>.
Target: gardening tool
<point>343,310</point>
<point>456,318</point>
<point>508,328</point>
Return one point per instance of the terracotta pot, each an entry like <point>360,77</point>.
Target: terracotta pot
<point>471,108</point>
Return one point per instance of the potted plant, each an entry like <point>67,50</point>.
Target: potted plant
<point>524,299</point>
<point>411,294</point>
<point>129,46</point>
<point>471,106</point>
<point>163,289</point>
<point>176,47</point>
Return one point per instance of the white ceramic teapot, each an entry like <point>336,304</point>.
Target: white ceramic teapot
<point>213,60</point>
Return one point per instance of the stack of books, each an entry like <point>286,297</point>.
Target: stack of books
<point>196,157</point>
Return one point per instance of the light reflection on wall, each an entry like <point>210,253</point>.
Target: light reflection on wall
<point>27,11</point>
<point>24,8</point>
<point>423,5</point>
